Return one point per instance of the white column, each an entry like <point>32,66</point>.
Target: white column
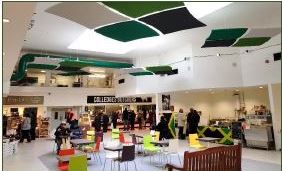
<point>47,78</point>
<point>275,107</point>
<point>158,107</point>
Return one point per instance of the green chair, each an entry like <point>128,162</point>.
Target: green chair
<point>115,133</point>
<point>149,147</point>
<point>76,163</point>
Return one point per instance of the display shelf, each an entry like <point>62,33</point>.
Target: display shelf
<point>43,127</point>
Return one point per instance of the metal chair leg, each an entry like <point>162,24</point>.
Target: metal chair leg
<point>105,165</point>
<point>179,159</point>
<point>99,158</point>
<point>135,165</point>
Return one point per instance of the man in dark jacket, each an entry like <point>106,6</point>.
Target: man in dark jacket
<point>132,119</point>
<point>97,122</point>
<point>105,122</point>
<point>163,128</point>
<point>114,119</point>
<point>62,133</point>
<point>125,117</point>
<point>193,120</point>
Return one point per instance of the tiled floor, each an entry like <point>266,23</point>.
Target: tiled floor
<point>38,156</point>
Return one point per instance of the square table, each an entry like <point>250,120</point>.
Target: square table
<point>115,148</point>
<point>78,142</point>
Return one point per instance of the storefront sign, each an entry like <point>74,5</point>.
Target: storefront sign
<point>113,99</point>
<point>23,100</point>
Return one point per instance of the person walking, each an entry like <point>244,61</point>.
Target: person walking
<point>105,122</point>
<point>25,128</point>
<point>114,119</point>
<point>132,119</point>
<point>125,117</point>
<point>193,120</point>
<point>180,124</point>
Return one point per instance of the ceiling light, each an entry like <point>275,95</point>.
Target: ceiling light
<point>186,91</point>
<point>3,53</point>
<point>201,9</point>
<point>42,71</point>
<point>212,92</point>
<point>261,87</point>
<point>210,89</point>
<point>218,54</point>
<point>91,41</point>
<point>6,20</point>
<point>237,90</point>
<point>97,76</point>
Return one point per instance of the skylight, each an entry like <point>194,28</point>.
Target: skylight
<point>201,9</point>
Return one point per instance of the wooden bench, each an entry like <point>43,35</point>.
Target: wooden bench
<point>225,158</point>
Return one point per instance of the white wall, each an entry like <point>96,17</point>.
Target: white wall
<point>254,69</point>
<point>221,104</point>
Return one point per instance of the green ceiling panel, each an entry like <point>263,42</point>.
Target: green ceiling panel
<point>42,66</point>
<point>140,8</point>
<point>252,41</point>
<point>227,34</point>
<point>93,63</point>
<point>64,68</point>
<point>75,73</point>
<point>127,31</point>
<point>141,73</point>
<point>157,69</point>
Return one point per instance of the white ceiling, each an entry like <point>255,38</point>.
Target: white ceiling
<point>54,34</point>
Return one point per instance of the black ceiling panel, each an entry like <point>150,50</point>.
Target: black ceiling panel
<point>172,20</point>
<point>218,43</point>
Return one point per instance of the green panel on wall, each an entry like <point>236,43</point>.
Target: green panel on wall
<point>42,66</point>
<point>104,64</point>
<point>226,34</point>
<point>141,73</point>
<point>253,41</point>
<point>139,8</point>
<point>75,73</point>
<point>127,31</point>
<point>156,69</point>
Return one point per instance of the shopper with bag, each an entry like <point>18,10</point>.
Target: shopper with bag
<point>25,128</point>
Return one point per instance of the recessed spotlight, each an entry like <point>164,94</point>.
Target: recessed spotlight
<point>186,91</point>
<point>237,90</point>
<point>42,71</point>
<point>6,20</point>
<point>3,53</point>
<point>261,87</point>
<point>218,54</point>
<point>25,70</point>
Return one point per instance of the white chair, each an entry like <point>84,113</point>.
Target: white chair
<point>109,154</point>
<point>172,150</point>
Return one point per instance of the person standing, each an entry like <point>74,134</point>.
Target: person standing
<point>193,120</point>
<point>181,122</point>
<point>114,119</point>
<point>125,117</point>
<point>163,128</point>
<point>25,128</point>
<point>105,122</point>
<point>139,119</point>
<point>97,122</point>
<point>132,119</point>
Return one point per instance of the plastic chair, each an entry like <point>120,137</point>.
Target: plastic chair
<point>149,147</point>
<point>65,152</point>
<point>134,141</point>
<point>111,155</point>
<point>172,149</point>
<point>115,133</point>
<point>95,150</point>
<point>76,163</point>
<point>90,135</point>
<point>122,139</point>
<point>194,142</point>
<point>128,155</point>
